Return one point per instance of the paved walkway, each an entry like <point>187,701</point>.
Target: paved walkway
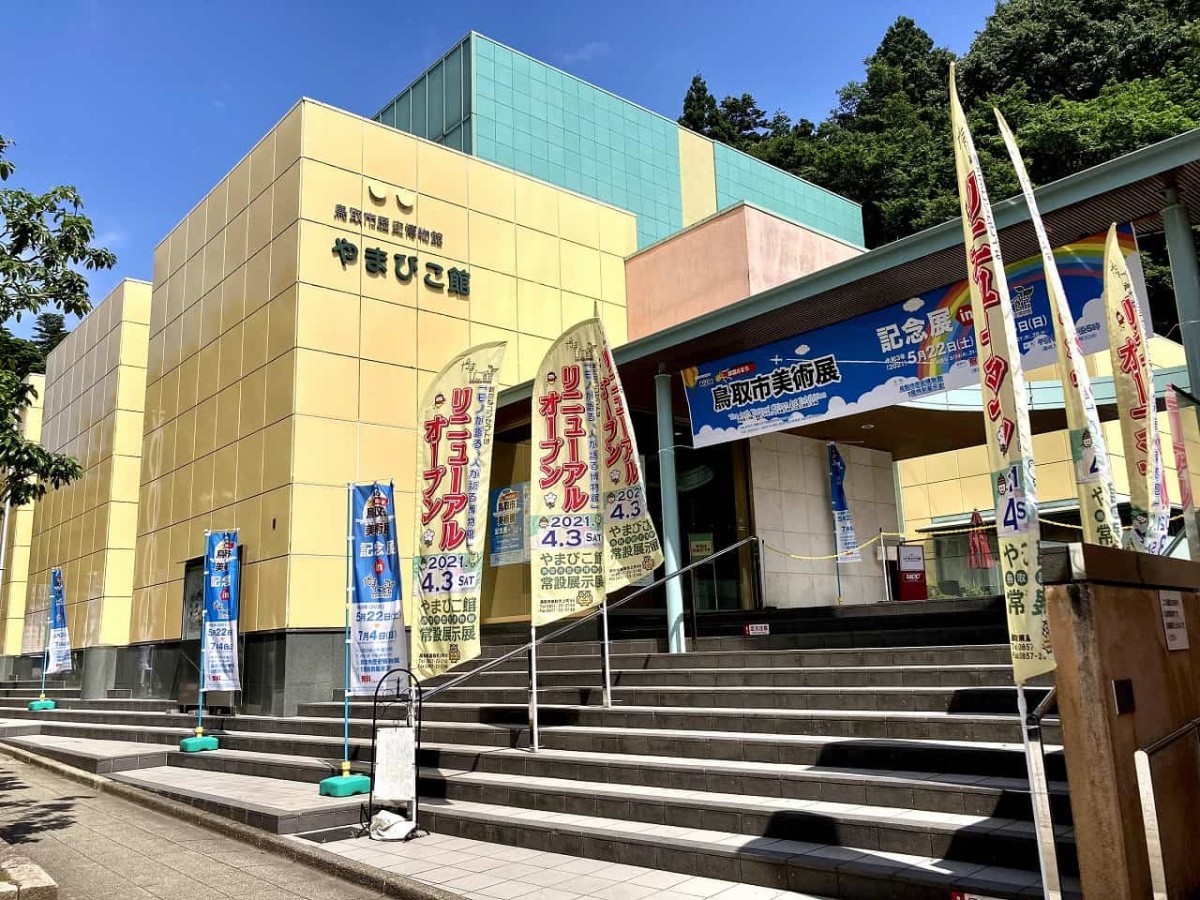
<point>483,871</point>
<point>101,847</point>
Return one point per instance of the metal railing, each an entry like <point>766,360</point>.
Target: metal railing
<point>1145,780</point>
<point>603,610</point>
<point>1039,790</point>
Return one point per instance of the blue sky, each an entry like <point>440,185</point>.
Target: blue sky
<point>144,106</point>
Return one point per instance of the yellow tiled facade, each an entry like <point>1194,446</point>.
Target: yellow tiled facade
<point>95,395</point>
<point>280,369</point>
<point>17,536</point>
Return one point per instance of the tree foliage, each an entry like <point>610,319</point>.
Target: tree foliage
<point>49,331</point>
<point>20,356</point>
<point>737,121</point>
<point>1080,81</point>
<point>29,468</point>
<point>45,246</point>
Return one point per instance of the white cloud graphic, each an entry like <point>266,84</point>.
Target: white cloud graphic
<point>802,349</point>
<point>1092,326</point>
<point>887,394</point>
<point>913,305</point>
<point>709,435</point>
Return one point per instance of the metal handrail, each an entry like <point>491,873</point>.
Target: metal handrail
<point>575,623</point>
<point>1145,780</point>
<point>1039,790</point>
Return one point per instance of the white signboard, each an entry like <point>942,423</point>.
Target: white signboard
<point>912,557</point>
<point>1174,622</point>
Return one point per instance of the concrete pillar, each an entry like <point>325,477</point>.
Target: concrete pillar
<point>99,674</point>
<point>670,510</point>
<point>1185,275</point>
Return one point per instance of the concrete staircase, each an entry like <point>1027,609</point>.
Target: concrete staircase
<point>851,772</point>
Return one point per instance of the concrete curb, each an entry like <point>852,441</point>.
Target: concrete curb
<point>300,851</point>
<point>26,880</point>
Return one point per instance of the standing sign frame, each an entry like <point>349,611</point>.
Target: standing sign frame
<point>388,710</point>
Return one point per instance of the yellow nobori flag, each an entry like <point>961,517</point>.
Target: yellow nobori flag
<point>457,420</point>
<point>589,523</point>
<point>1006,410</point>
<point>1093,475</point>
<point>1133,378</point>
<point>566,543</point>
<point>631,547</point>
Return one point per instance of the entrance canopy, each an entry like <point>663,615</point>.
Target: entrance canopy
<point>1131,188</point>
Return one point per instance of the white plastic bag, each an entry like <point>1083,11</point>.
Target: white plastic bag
<point>387,826</point>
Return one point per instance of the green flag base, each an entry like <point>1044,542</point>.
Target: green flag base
<point>42,705</point>
<point>345,786</point>
<point>198,743</point>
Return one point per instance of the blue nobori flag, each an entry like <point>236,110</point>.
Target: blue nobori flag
<point>221,583</point>
<point>843,522</point>
<point>377,640</point>
<point>58,642</point>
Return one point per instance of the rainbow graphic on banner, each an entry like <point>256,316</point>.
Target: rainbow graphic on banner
<point>1081,262</point>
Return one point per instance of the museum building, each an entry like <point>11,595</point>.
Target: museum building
<point>298,311</point>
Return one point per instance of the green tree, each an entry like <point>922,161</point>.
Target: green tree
<point>1075,48</point>
<point>45,240</point>
<point>886,144</point>
<point>19,356</point>
<point>29,468</point>
<point>49,331</point>
<point>1081,81</point>
<point>700,111</point>
<point>746,121</point>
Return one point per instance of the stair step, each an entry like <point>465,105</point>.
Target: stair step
<point>272,804</point>
<point>954,794</point>
<point>811,867</point>
<point>951,757</point>
<point>99,756</point>
<point>839,722</point>
<point>980,654</point>
<point>984,839</point>
<point>956,698</point>
<point>976,794</point>
<point>758,676</point>
<point>919,724</point>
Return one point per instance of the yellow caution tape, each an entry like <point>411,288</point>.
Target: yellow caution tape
<point>922,537</point>
<point>844,553</point>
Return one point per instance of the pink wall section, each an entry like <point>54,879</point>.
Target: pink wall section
<point>781,251</point>
<point>726,258</point>
<point>692,273</point>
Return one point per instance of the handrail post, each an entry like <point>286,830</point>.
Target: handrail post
<point>1039,796</point>
<point>887,575</point>
<point>605,662</point>
<point>695,622</point>
<point>533,710</point>
<point>1145,783</point>
<point>575,623</point>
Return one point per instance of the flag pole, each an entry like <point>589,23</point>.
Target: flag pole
<point>837,570</point>
<point>45,653</point>
<point>346,655</point>
<point>201,741</point>
<point>605,661</point>
<point>346,784</point>
<point>203,628</point>
<point>41,703</point>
